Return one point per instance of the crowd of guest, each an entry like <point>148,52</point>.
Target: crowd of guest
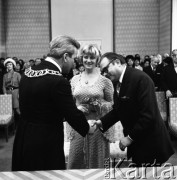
<point>153,65</point>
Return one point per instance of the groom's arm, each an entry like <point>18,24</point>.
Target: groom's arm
<point>63,98</point>
<point>108,120</point>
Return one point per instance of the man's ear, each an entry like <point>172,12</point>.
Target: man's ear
<point>65,57</point>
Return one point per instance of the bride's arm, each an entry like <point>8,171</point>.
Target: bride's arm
<point>107,102</point>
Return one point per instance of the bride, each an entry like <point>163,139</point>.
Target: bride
<point>93,94</point>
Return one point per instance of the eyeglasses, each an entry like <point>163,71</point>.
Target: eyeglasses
<point>174,55</point>
<point>105,69</point>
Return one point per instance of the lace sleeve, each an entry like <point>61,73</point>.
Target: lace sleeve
<point>73,83</point>
<point>115,132</point>
<point>108,90</point>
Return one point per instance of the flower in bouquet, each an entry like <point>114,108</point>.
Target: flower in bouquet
<point>94,105</point>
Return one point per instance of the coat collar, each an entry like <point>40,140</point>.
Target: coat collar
<point>49,59</point>
<point>43,69</point>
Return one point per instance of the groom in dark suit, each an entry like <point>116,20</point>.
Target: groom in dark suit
<point>136,107</point>
<point>45,100</point>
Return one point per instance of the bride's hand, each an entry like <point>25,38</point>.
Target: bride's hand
<point>83,108</point>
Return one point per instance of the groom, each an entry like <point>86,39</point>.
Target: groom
<point>136,107</point>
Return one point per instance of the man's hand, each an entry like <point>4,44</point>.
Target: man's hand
<point>92,125</point>
<point>124,142</point>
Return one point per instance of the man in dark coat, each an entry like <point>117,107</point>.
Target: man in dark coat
<point>169,76</point>
<point>154,71</point>
<point>135,105</point>
<point>45,101</point>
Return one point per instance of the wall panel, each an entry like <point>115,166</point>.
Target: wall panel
<point>27,28</point>
<point>165,27</point>
<point>2,31</point>
<point>174,24</point>
<point>140,26</point>
<point>136,26</point>
<point>85,20</point>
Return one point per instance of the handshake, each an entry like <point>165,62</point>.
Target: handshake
<point>124,141</point>
<point>94,124</point>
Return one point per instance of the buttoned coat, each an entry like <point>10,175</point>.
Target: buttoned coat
<point>154,75</point>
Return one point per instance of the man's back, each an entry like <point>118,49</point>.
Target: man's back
<point>37,95</point>
<point>45,100</point>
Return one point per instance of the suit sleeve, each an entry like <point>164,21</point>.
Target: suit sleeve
<point>108,91</point>
<point>109,120</point>
<point>63,97</point>
<point>111,117</point>
<point>163,80</point>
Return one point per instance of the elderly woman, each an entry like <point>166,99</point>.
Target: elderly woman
<point>94,96</point>
<point>11,81</point>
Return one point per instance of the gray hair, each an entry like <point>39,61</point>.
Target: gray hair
<point>61,45</point>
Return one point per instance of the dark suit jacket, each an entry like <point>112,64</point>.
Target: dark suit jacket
<point>169,78</point>
<point>159,71</point>
<point>136,108</point>
<point>154,75</point>
<point>44,103</point>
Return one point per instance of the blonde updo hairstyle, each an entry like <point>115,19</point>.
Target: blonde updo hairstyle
<point>90,50</point>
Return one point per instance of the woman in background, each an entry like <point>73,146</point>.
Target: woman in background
<point>147,63</point>
<point>130,60</point>
<point>19,67</point>
<point>11,82</point>
<point>137,64</point>
<point>94,96</point>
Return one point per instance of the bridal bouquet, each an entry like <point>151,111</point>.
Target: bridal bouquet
<point>94,105</point>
